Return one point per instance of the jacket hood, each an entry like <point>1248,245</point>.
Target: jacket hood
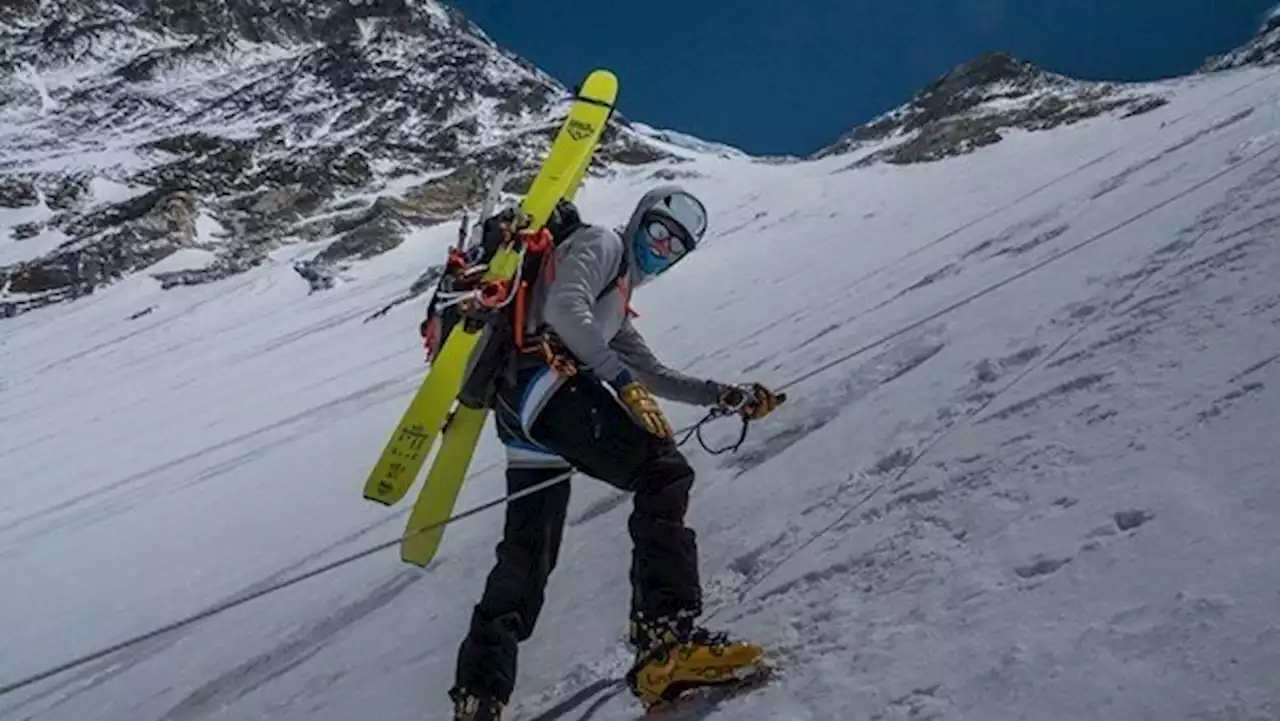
<point>635,275</point>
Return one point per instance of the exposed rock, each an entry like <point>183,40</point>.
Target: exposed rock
<point>18,306</point>
<point>69,192</point>
<point>17,193</point>
<point>328,168</point>
<point>1145,106</point>
<point>131,210</point>
<point>218,270</point>
<point>15,10</point>
<point>189,144</point>
<point>378,229</point>
<point>286,203</point>
<point>672,174</point>
<point>23,231</point>
<point>319,276</point>
<point>443,197</point>
<point>214,167</point>
<point>282,119</point>
<point>967,108</point>
<point>381,229</point>
<point>153,65</point>
<point>139,233</point>
<point>1262,50</point>
<point>626,149</point>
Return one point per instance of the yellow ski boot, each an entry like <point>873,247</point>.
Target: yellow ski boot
<point>675,656</point>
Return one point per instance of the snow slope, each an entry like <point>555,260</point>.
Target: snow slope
<point>1024,472</point>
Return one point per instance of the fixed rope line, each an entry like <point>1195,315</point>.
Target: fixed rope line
<point>243,599</point>
<point>942,434</point>
<point>1015,202</point>
<point>1031,268</point>
<point>615,685</point>
<point>279,585</point>
<point>933,316</point>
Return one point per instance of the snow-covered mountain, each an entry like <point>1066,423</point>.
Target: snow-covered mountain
<point>192,141</point>
<point>981,101</point>
<point>1024,471</point>
<point>684,140</point>
<point>132,129</point>
<point>1263,49</point>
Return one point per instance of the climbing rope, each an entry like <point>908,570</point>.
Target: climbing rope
<point>694,431</point>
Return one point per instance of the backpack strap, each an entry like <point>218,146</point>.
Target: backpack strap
<point>557,242</point>
<point>617,278</point>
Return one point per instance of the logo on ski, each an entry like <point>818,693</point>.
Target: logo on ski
<point>579,130</point>
<point>415,436</point>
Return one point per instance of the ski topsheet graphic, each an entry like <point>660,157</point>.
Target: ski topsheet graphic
<point>410,443</point>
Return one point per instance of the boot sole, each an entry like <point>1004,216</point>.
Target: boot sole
<point>678,696</point>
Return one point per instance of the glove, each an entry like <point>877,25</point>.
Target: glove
<point>753,401</point>
<point>645,408</point>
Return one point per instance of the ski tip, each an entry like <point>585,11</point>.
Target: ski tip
<point>379,500</point>
<point>599,88</point>
<point>598,75</point>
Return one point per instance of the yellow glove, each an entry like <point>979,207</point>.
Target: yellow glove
<point>645,408</point>
<point>753,401</point>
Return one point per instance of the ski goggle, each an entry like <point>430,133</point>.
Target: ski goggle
<point>659,243</point>
<point>665,239</point>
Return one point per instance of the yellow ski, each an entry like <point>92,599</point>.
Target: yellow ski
<point>408,446</point>
<point>435,503</point>
<point>439,494</point>
<point>448,470</point>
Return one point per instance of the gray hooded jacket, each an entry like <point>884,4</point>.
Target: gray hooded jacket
<point>598,332</point>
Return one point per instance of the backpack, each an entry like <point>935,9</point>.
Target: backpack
<point>497,308</point>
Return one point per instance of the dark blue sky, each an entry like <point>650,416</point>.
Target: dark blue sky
<point>789,76</point>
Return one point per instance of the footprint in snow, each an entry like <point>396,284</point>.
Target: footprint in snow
<point>1041,567</point>
<point>1122,521</point>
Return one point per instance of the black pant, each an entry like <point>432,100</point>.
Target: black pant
<point>587,427</point>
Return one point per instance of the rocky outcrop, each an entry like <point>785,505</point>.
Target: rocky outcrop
<point>117,241</point>
<point>969,108</point>
<point>22,231</point>
<point>13,11</point>
<point>68,192</point>
<point>17,193</point>
<point>1262,50</point>
<point>285,120</point>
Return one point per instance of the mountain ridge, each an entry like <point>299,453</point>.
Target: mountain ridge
<point>1262,49</point>
<point>232,128</point>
